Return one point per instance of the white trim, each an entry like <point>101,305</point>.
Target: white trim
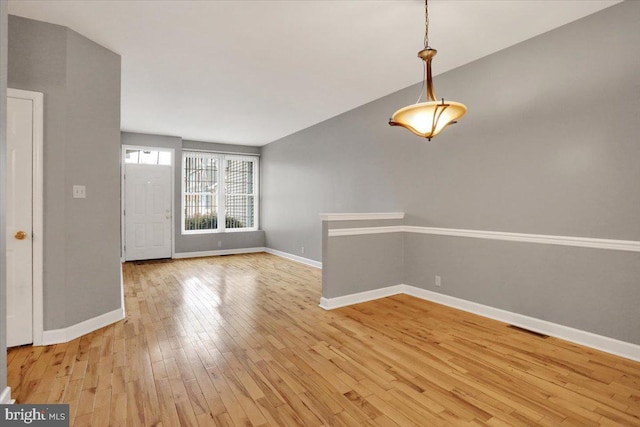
<point>585,242</point>
<point>38,200</point>
<point>122,203</point>
<point>336,232</point>
<point>122,305</point>
<point>256,192</point>
<point>307,261</point>
<point>5,397</point>
<point>232,153</point>
<point>173,208</point>
<point>609,345</point>
<point>599,342</point>
<point>181,255</point>
<point>360,216</point>
<point>343,301</point>
<point>281,254</point>
<point>57,336</point>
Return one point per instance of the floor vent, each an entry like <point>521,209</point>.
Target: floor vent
<point>527,331</point>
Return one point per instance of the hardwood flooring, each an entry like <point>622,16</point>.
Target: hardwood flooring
<point>240,341</point>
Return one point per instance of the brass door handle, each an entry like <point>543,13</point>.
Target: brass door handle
<point>20,235</point>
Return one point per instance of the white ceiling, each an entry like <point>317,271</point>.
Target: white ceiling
<point>250,72</point>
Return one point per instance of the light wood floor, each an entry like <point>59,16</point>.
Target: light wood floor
<point>240,341</point>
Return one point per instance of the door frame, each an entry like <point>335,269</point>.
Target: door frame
<point>37,235</point>
<point>123,256</point>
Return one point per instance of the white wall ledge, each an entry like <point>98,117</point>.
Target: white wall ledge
<point>361,216</point>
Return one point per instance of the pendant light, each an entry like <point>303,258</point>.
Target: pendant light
<point>428,119</point>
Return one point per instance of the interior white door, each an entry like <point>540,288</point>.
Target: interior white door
<point>147,211</point>
<point>19,221</point>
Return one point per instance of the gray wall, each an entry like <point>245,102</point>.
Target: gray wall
<point>197,242</point>
<point>549,146</point>
<point>589,289</point>
<point>594,290</point>
<point>341,165</point>
<point>3,168</point>
<point>81,85</point>
<point>352,264</point>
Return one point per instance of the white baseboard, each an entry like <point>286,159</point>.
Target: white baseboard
<point>124,312</point>
<point>281,254</point>
<point>180,255</point>
<point>599,342</point>
<point>5,396</point>
<point>57,336</point>
<point>292,257</point>
<point>331,303</point>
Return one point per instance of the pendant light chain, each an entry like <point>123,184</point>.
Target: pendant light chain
<point>426,24</point>
<point>426,46</point>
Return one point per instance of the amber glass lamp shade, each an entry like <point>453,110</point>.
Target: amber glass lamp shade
<point>428,119</point>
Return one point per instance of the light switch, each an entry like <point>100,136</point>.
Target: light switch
<point>79,192</point>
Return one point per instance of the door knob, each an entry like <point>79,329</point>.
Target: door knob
<point>20,235</point>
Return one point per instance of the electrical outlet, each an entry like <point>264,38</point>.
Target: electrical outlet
<point>219,243</point>
<point>438,281</point>
<point>79,192</point>
<point>302,250</point>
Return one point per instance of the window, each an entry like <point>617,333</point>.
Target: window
<point>239,196</point>
<point>218,186</point>
<point>147,157</point>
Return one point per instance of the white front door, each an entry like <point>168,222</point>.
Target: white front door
<point>19,217</point>
<point>147,211</point>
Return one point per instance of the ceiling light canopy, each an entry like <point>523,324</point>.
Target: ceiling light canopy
<point>428,119</point>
